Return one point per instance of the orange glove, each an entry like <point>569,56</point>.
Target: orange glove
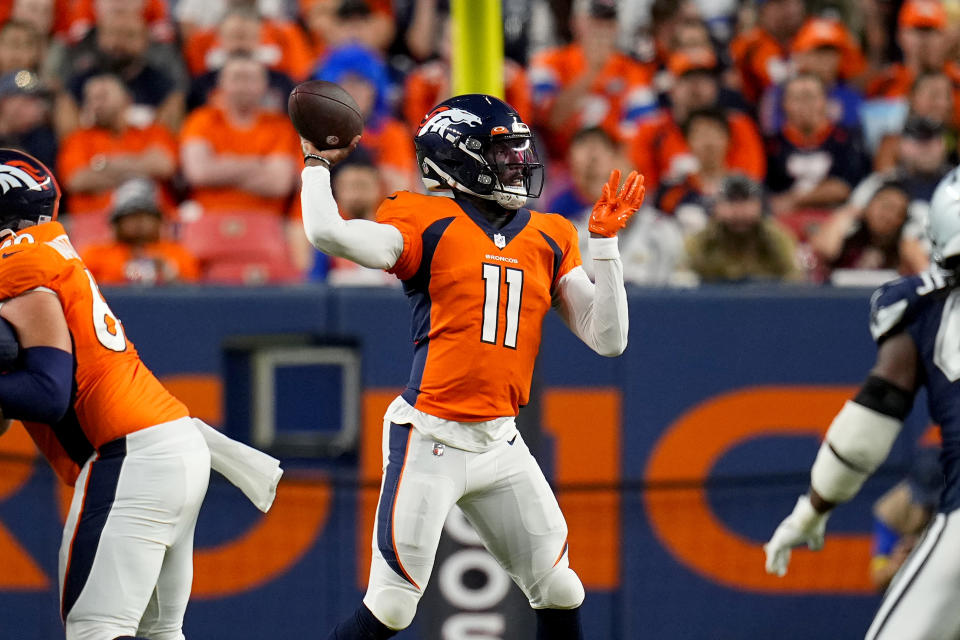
<point>614,208</point>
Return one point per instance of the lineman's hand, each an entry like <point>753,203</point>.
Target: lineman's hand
<point>333,156</point>
<point>804,526</point>
<point>615,207</point>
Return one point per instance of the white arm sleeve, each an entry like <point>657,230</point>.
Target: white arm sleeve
<point>365,242</point>
<point>596,313</point>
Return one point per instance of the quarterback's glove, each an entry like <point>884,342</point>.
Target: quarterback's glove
<point>614,207</point>
<point>804,526</point>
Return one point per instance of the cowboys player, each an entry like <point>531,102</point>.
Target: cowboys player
<point>480,271</point>
<point>916,324</point>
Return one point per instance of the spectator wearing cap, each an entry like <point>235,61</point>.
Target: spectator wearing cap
<point>25,116</point>
<point>281,45</point>
<point>921,34</point>
<point>96,159</point>
<point>871,237</point>
<point>589,82</point>
<point>240,34</point>
<point>363,74</point>
<point>902,514</point>
<point>659,149</point>
<point>812,163</point>
<point>238,156</point>
<point>428,84</point>
<point>820,48</point>
<point>139,253</point>
<point>740,243</point>
<point>761,54</point>
<point>365,22</point>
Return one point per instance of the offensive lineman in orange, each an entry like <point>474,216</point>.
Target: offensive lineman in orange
<point>139,463</point>
<point>481,271</point>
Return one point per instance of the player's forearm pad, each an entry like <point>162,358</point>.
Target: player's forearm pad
<point>857,442</point>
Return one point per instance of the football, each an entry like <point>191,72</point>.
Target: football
<point>325,114</point>
<point>9,346</point>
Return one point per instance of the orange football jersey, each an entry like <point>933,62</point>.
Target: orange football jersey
<point>114,393</point>
<point>478,297</point>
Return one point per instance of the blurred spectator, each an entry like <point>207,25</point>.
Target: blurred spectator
<point>932,99</point>
<point>812,163</point>
<point>589,83</point>
<point>707,133</point>
<point>100,156</point>
<point>46,16</point>
<point>84,14</point>
<point>871,237</point>
<point>902,514</point>
<point>21,47</point>
<point>319,19</point>
<point>364,22</point>
<point>652,250</point>
<point>239,33</point>
<point>364,76</point>
<point>592,155</point>
<point>139,254</point>
<point>740,242</point>
<point>237,155</point>
<point>762,54</point>
<point>429,84</point>
<point>202,15</point>
<point>279,45</point>
<point>923,43</point>
<point>819,49</point>
<point>659,149</point>
<point>25,118</point>
<point>120,46</point>
<point>358,190</point>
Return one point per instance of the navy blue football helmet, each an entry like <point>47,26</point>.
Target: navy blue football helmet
<point>29,194</point>
<point>477,144</point>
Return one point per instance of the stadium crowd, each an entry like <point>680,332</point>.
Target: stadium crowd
<point>779,139</point>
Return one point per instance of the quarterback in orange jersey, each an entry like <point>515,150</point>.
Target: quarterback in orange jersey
<point>139,463</point>
<point>481,272</point>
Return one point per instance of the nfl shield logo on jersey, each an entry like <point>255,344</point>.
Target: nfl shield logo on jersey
<point>437,449</point>
<point>500,240</point>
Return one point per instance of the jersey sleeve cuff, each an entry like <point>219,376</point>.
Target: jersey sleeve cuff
<point>316,170</point>
<point>604,248</point>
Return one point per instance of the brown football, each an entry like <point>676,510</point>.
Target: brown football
<point>324,113</point>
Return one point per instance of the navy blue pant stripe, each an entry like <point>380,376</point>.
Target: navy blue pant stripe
<point>399,442</point>
<point>98,499</point>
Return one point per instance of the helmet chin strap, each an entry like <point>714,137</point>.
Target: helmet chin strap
<point>510,200</point>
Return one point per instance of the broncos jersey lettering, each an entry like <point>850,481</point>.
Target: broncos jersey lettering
<point>478,296</point>
<point>927,307</point>
<point>114,394</point>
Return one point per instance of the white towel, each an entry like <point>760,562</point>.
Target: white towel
<point>250,470</point>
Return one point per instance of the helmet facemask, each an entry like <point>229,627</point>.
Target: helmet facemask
<point>516,168</point>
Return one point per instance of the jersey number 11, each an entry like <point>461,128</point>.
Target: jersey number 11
<point>491,304</point>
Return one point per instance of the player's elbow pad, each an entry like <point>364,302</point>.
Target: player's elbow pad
<point>858,441</point>
<point>40,391</point>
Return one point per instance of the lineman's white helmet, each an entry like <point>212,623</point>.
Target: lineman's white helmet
<point>943,222</point>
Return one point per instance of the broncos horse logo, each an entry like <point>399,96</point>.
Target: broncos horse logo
<point>440,118</point>
<point>17,177</point>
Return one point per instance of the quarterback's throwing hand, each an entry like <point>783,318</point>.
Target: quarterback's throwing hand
<point>615,207</point>
<point>330,156</point>
<point>804,526</point>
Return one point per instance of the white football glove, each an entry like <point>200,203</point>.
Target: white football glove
<point>804,526</point>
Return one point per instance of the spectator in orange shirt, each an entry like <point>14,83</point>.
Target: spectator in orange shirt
<point>589,83</point>
<point>97,158</point>
<point>319,19</point>
<point>238,156</point>
<point>364,75</point>
<point>762,54</point>
<point>84,13</point>
<point>139,254</point>
<point>812,163</point>
<point>282,45</point>
<point>240,33</point>
<point>923,41</point>
<point>659,150</point>
<point>429,84</point>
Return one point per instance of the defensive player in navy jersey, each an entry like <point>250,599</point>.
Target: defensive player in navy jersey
<point>916,324</point>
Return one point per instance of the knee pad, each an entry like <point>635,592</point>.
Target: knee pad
<point>560,589</point>
<point>393,607</point>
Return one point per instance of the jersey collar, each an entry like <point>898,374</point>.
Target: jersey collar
<point>499,237</point>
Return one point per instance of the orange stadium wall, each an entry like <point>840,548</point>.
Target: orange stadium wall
<point>673,463</point>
